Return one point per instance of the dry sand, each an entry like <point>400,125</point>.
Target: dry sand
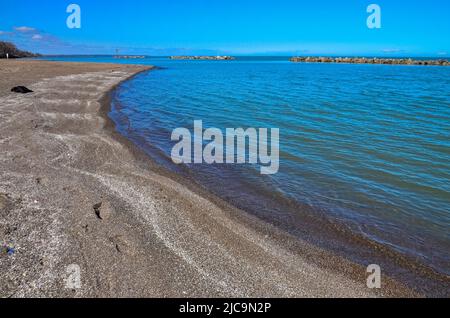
<point>153,236</point>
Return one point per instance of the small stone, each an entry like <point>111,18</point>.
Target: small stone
<point>3,201</point>
<point>102,210</point>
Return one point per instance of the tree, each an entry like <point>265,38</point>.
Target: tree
<point>13,51</point>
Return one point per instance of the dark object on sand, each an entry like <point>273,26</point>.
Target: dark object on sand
<point>21,90</point>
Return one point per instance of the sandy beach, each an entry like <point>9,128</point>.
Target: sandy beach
<point>74,192</point>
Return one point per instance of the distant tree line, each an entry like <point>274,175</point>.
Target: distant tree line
<point>13,52</point>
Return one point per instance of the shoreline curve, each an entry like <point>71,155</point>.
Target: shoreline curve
<point>76,192</point>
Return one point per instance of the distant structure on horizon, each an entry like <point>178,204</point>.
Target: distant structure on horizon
<point>210,58</point>
<point>117,56</point>
<point>130,57</point>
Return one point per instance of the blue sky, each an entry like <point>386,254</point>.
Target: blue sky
<point>240,27</point>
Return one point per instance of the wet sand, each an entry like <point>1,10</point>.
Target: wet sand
<point>73,191</point>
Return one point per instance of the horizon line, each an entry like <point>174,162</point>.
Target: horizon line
<point>259,55</point>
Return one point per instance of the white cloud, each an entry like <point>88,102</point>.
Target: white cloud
<point>37,37</point>
<point>24,29</point>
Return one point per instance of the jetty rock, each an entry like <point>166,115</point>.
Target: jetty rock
<point>365,60</point>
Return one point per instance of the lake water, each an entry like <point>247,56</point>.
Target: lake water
<point>362,147</point>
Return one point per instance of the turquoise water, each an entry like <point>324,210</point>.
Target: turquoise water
<point>365,147</point>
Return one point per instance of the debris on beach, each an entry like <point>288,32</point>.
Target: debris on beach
<point>21,90</point>
<point>9,250</point>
